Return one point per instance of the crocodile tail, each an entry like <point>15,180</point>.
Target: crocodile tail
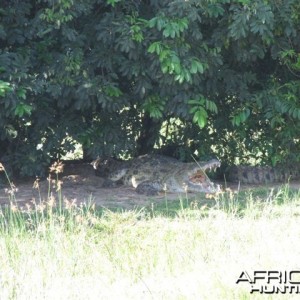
<point>261,174</point>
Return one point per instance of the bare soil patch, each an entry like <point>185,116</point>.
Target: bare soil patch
<point>80,184</point>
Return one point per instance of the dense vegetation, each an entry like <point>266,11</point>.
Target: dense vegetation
<point>204,77</point>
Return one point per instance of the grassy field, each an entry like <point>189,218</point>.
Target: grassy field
<point>174,250</point>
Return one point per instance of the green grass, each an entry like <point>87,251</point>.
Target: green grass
<point>185,249</point>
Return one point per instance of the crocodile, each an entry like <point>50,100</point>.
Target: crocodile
<point>263,174</point>
<point>152,174</point>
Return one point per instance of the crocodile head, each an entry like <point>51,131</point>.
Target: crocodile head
<point>195,179</point>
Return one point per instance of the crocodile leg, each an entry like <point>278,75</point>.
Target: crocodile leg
<point>149,188</point>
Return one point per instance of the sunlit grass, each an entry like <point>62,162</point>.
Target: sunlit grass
<point>187,249</point>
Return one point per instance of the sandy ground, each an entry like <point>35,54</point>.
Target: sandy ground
<point>81,185</point>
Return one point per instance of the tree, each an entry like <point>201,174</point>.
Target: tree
<point>122,77</point>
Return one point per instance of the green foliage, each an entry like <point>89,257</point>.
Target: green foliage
<point>4,88</point>
<point>240,117</point>
<point>255,17</point>
<point>23,109</point>
<point>173,27</point>
<point>209,77</point>
<point>199,110</point>
<point>112,2</point>
<point>154,105</point>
